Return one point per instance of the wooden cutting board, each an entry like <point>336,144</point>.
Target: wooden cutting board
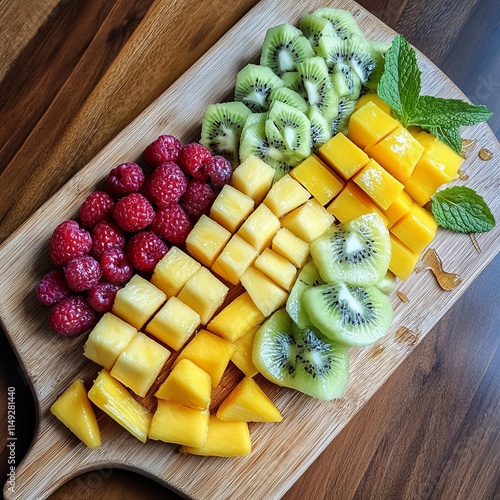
<point>281,451</point>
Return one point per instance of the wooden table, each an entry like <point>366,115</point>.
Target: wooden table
<point>74,73</point>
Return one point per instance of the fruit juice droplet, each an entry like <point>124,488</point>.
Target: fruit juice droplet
<point>462,175</point>
<point>402,296</point>
<point>467,146</point>
<point>377,351</point>
<point>485,154</point>
<point>406,336</point>
<point>447,281</point>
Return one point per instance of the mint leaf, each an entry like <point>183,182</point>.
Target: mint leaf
<point>399,84</point>
<point>462,210</point>
<point>450,136</point>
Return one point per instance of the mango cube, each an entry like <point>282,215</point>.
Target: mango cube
<point>286,244</point>
<point>242,356</point>
<point>260,227</point>
<point>373,97</point>
<point>276,267</point>
<point>400,207</point>
<point>231,208</point>
<point>285,195</point>
<point>253,178</point>
<point>403,260</point>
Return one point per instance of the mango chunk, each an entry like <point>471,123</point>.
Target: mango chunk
<point>276,267</point>
<point>286,244</point>
<point>373,97</point>
<point>286,195</point>
<point>401,206</point>
<point>242,356</point>
<point>253,177</point>
<point>403,260</point>
<point>260,227</point>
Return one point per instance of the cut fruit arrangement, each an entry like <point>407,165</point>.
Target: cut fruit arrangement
<point>277,264</point>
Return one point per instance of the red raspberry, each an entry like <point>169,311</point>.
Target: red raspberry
<point>166,184</point>
<point>125,179</point>
<point>106,235</point>
<point>67,242</point>
<point>101,296</point>
<point>165,148</point>
<point>172,224</point>
<point>197,199</point>
<point>144,250</point>
<point>115,266</point>
<point>193,159</point>
<point>82,272</point>
<point>219,170</point>
<point>72,316</point>
<point>52,288</point>
<point>133,212</point>
<point>98,206</point>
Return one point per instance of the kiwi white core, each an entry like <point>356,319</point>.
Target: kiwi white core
<point>346,296</point>
<point>353,243</point>
<point>286,62</point>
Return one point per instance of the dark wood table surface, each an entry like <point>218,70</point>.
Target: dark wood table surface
<point>73,73</point>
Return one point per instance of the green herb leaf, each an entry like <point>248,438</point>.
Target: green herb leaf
<point>450,136</point>
<point>462,210</point>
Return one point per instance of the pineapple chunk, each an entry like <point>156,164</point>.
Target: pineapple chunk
<point>179,424</point>
<point>399,208</point>
<point>210,352</point>
<point>224,439</point>
<point>286,244</point>
<point>253,178</point>
<point>113,399</point>
<point>373,97</point>
<point>140,363</point>
<point>188,385</point>
<point>260,227</point>
<point>403,260</point>
<point>239,316</point>
<point>247,402</point>
<point>276,267</point>
<point>174,323</point>
<point>74,410</point>
<point>204,293</point>
<point>137,301</point>
<point>107,340</point>
<point>231,208</point>
<point>206,240</point>
<point>234,259</point>
<point>242,356</point>
<point>265,294</point>
<point>173,270</point>
<point>285,195</point>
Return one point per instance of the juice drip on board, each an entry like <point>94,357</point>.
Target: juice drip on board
<point>406,336</point>
<point>430,260</point>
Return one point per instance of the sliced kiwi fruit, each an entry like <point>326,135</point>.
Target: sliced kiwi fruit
<point>284,46</point>
<point>343,22</point>
<point>388,283</point>
<point>288,96</point>
<point>221,129</point>
<point>254,83</point>
<point>357,252</point>
<point>300,358</point>
<point>344,111</point>
<point>378,52</point>
<point>346,82</point>
<point>314,28</point>
<point>293,81</point>
<point>321,130</point>
<point>352,315</point>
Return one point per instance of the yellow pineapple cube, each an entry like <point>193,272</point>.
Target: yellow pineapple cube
<point>210,352</point>
<point>107,340</point>
<point>231,208</point>
<point>234,259</point>
<point>247,402</point>
<point>173,270</point>
<point>285,195</point>
<point>188,385</point>
<point>174,323</point>
<point>265,294</point>
<point>286,244</point>
<point>253,178</point>
<point>140,363</point>
<point>373,97</point>
<point>260,227</point>
<point>276,267</point>
<point>74,410</point>
<point>242,356</point>
<point>137,301</point>
<point>403,260</point>
<point>114,400</point>
<point>179,424</point>
<point>204,293</point>
<point>206,240</point>
<point>399,208</point>
<point>224,439</point>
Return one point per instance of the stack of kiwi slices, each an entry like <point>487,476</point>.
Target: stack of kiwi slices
<point>338,301</point>
<point>300,95</point>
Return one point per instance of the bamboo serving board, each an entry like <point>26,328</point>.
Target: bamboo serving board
<point>281,452</point>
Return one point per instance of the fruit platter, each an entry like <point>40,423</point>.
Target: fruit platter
<point>315,192</point>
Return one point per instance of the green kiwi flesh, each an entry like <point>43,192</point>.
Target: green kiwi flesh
<point>388,283</point>
<point>288,96</point>
<point>314,28</point>
<point>346,82</point>
<point>344,111</point>
<point>321,130</point>
<point>343,22</point>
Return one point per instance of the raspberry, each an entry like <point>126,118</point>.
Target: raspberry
<point>133,212</point>
<point>52,288</point>
<point>67,242</point>
<point>165,148</point>
<point>106,235</point>
<point>219,170</point>
<point>144,250</point>
<point>98,206</point>
<point>115,266</point>
<point>125,179</point>
<point>101,296</point>
<point>197,199</point>
<point>166,184</point>
<point>82,272</point>
<point>193,159</point>
<point>72,316</point>
<point>172,224</point>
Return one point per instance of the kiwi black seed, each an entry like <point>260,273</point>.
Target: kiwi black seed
<point>321,130</point>
<point>315,27</point>
<point>344,111</point>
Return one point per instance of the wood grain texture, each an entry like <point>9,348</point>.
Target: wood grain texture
<point>368,483</point>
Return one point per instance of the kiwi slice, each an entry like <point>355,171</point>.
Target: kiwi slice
<point>321,130</point>
<point>254,83</point>
<point>352,315</point>
<point>284,46</point>
<point>346,82</point>
<point>300,358</point>
<point>221,129</point>
<point>288,96</point>
<point>388,283</point>
<point>344,111</point>
<point>378,50</point>
<point>293,81</point>
<point>357,252</point>
<point>314,28</point>
<point>343,22</point>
